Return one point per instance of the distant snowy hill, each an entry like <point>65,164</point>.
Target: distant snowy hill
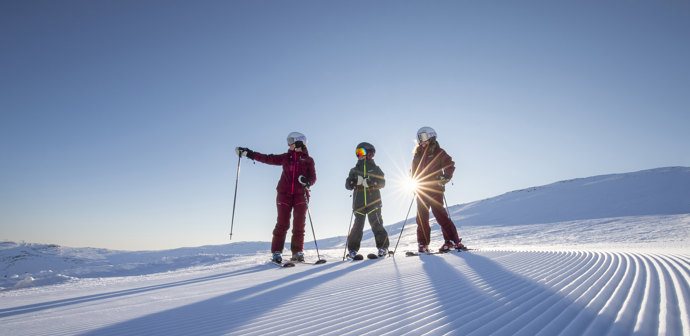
<point>649,209</point>
<point>25,265</point>
<point>662,191</point>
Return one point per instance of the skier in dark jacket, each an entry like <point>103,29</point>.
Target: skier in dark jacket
<point>298,175</point>
<point>432,168</point>
<point>366,178</point>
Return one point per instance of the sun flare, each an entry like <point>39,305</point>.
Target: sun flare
<point>410,184</point>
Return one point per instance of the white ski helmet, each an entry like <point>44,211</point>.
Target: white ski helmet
<point>425,133</point>
<point>296,136</point>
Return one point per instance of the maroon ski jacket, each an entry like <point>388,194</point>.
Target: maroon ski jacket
<point>430,163</point>
<point>294,164</point>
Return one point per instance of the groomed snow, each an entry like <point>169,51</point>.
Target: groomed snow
<point>622,274</point>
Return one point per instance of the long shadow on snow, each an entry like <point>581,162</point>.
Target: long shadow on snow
<point>90,298</point>
<point>507,302</point>
<point>229,312</point>
<point>451,289</point>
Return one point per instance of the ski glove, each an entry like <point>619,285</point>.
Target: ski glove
<point>443,179</point>
<point>303,181</point>
<point>244,151</point>
<point>363,181</point>
<point>240,151</point>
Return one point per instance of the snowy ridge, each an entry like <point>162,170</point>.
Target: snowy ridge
<point>661,191</point>
<point>620,275</point>
<point>25,265</point>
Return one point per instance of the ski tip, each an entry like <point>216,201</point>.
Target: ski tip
<point>372,256</point>
<point>282,264</point>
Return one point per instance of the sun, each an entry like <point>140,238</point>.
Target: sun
<point>404,184</point>
<point>400,179</point>
<point>409,184</point>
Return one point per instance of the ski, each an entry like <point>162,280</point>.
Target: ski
<point>413,254</point>
<point>283,264</point>
<point>356,258</point>
<point>369,256</point>
<point>318,262</point>
<point>376,256</point>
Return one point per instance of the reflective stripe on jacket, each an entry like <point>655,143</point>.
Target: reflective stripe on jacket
<point>366,197</point>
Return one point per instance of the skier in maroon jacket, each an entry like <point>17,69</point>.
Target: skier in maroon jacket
<point>298,175</point>
<point>432,168</point>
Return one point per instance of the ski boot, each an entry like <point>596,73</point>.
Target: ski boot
<point>351,254</point>
<point>423,248</point>
<point>383,252</point>
<point>447,246</point>
<point>299,257</point>
<point>277,258</point>
<point>460,247</point>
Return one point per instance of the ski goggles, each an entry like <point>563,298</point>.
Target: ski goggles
<point>424,136</point>
<point>294,138</point>
<point>360,152</point>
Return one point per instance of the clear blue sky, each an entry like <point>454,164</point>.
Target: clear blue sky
<point>118,119</point>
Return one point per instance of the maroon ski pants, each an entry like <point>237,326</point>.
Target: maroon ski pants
<point>295,205</point>
<point>434,200</point>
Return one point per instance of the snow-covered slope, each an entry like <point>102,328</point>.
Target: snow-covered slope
<point>663,191</point>
<point>641,210</point>
<point>608,265</point>
<point>24,265</point>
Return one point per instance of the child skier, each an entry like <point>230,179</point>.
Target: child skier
<point>366,178</point>
<point>298,174</point>
<point>432,168</point>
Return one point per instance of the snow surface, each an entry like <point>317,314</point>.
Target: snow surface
<point>605,255</point>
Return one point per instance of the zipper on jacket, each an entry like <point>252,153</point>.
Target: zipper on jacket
<point>365,176</point>
<point>294,169</point>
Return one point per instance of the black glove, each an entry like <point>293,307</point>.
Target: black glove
<point>241,151</point>
<point>443,179</point>
<point>244,151</point>
<point>303,180</point>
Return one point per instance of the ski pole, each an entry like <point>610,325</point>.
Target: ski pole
<point>320,261</point>
<point>444,193</point>
<point>234,201</point>
<point>347,240</point>
<point>447,211</point>
<point>405,222</point>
